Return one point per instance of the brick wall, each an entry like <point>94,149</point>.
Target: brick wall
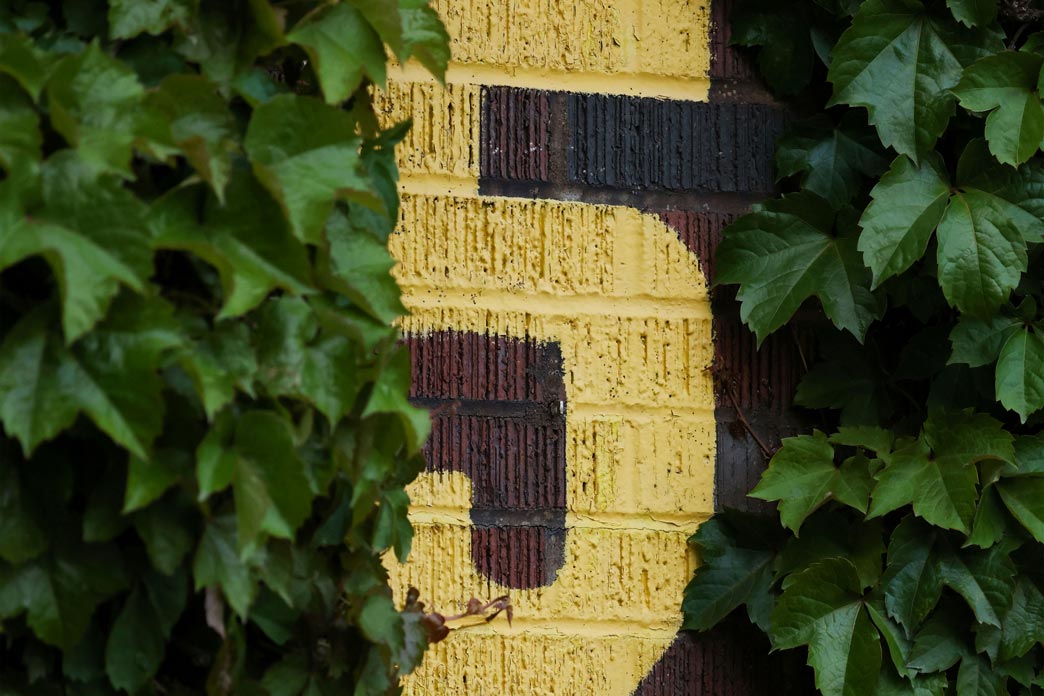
<point>562,197</point>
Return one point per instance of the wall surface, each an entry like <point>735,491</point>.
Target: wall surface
<point>561,199</point>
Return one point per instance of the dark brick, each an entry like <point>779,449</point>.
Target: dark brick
<point>498,416</point>
<point>727,62</point>
<point>654,144</point>
<point>515,134</point>
<point>730,660</point>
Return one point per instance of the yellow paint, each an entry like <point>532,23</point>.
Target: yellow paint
<point>628,305</point>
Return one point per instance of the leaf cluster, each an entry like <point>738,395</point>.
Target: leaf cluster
<point>908,553</point>
<point>203,400</point>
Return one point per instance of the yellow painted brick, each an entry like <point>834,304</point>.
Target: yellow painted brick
<point>478,663</point>
<point>662,37</point>
<point>444,139</point>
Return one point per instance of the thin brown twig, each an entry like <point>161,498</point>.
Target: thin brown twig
<point>746,424</point>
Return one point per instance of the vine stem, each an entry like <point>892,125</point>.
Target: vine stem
<point>746,424</point>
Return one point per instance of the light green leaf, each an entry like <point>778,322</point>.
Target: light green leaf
<point>383,16</point>
<point>200,125</point>
<point>1020,372</point>
<point>978,342</point>
<point>362,266</point>
<point>425,38</point>
<point>877,440</point>
<point>216,458</point>
<point>833,161</point>
<point>137,642</point>
<point>246,240</point>
<point>785,252</point>
<point>822,607</point>
<point>912,583</point>
<point>58,591</point>
<point>95,103</point>
<point>735,569</point>
<point>111,376</point>
<point>20,137</point>
<point>1024,498</point>
<point>218,563</point>
<point>900,61</point>
<point>909,201</point>
<point>802,476</point>
<point>381,623</point>
<point>1005,85</point>
<point>990,521</point>
<point>389,395</point>
<point>343,46</point>
<point>128,18</point>
<point>982,250</point>
<point>307,155</point>
<point>973,13</point>
<point>943,493</point>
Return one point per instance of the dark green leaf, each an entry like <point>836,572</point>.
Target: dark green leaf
<point>218,563</point>
<point>900,61</point>
<point>912,582</point>
<point>736,569</point>
<point>833,160</point>
<point>978,342</point>
<point>362,266</point>
<point>973,13</point>
<point>990,521</point>
<point>977,678</point>
<point>1005,85</point>
<point>1020,372</point>
<point>782,254</point>
<point>985,579</point>
<point>168,532</point>
<point>59,591</point>
<point>786,57</point>
<point>381,623</point>
<point>939,644</point>
<point>22,59</point>
<point>21,537</point>
<point>822,608</point>
<point>138,640</point>
<point>1024,497</point>
<point>216,458</point>
<point>389,395</point>
<point>221,361</point>
<point>148,479</point>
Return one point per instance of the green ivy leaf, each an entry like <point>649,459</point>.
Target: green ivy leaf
<point>939,644</point>
<point>977,678</point>
<point>22,59</point>
<point>1020,372</point>
<point>990,521</point>
<point>393,528</point>
<point>425,38</point>
<point>138,639</point>
<point>877,440</point>
<point>343,46</point>
<point>168,532</point>
<point>1024,498</point>
<point>245,240</point>
<point>200,125</point>
<point>271,490</point>
<point>20,137</point>
<point>832,160</point>
<point>900,61</point>
<point>361,265</point>
<point>786,56</point>
<point>1005,85</point>
<point>978,342</point>
<point>21,537</point>
<point>912,583</point>
<point>736,569</point>
<point>148,479</point>
<point>220,362</point>
<point>908,203</point>
<point>381,623</point>
<point>110,376</point>
<point>1023,624</point>
<point>307,156</point>
<point>218,563</point>
<point>985,579</point>
<point>225,39</point>
<point>802,476</point>
<point>389,396</point>
<point>58,591</point>
<point>128,18</point>
<point>973,13</point>
<point>782,254</point>
<point>822,607</point>
<point>95,103</point>
<point>832,533</point>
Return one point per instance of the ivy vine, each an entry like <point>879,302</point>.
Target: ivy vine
<point>205,430</point>
<point>907,556</point>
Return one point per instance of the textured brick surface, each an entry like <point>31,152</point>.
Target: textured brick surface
<point>642,143</point>
<point>516,134</point>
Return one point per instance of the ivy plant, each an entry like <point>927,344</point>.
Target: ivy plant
<point>203,399</point>
<point>906,555</point>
